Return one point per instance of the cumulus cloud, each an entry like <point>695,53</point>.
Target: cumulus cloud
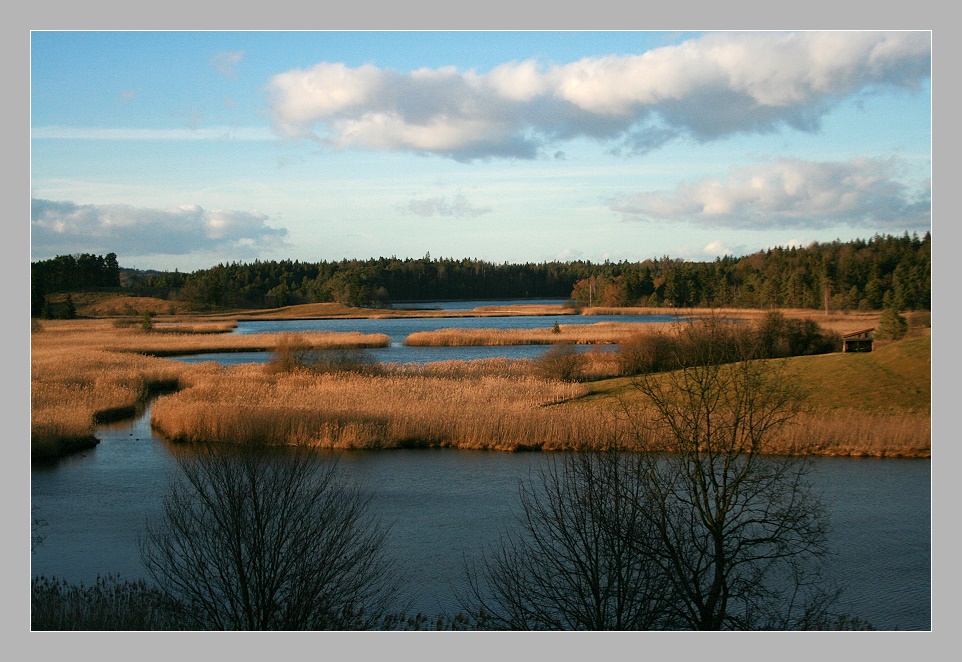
<point>226,62</point>
<point>791,193</point>
<point>61,227</point>
<point>705,88</point>
<point>717,247</point>
<point>458,207</point>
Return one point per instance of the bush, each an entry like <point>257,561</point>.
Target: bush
<point>290,353</point>
<point>712,340</point>
<point>779,337</point>
<point>561,362</point>
<point>646,352</point>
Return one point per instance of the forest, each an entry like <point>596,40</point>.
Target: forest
<point>885,271</point>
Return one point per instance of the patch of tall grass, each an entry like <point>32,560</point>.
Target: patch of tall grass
<point>109,604</point>
<point>345,410</point>
<point>581,334</point>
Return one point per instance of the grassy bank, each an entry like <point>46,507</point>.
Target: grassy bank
<point>875,404</point>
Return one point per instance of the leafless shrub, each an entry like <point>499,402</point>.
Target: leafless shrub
<point>261,538</point>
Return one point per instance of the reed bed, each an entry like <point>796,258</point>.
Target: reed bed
<point>580,334</point>
<point>174,344</point>
<point>189,338</point>
<point>855,433</point>
<point>497,404</point>
<point>338,311</point>
<point>528,309</point>
<point>244,404</point>
<point>202,328</point>
<point>72,390</point>
<point>500,367</point>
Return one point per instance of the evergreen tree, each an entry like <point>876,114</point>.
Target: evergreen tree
<point>891,325</point>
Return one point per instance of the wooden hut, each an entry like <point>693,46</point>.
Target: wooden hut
<point>858,341</point>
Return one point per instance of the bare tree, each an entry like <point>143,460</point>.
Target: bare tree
<point>699,527</point>
<point>572,562</point>
<point>261,538</point>
<point>737,530</point>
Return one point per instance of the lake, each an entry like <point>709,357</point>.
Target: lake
<point>397,329</point>
<point>444,503</point>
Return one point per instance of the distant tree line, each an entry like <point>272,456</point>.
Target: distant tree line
<point>882,272</point>
<point>70,273</point>
<point>854,275</point>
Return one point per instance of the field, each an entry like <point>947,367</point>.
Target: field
<point>88,371</point>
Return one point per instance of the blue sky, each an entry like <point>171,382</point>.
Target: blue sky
<point>186,149</point>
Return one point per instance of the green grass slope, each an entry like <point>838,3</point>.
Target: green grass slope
<point>897,376</point>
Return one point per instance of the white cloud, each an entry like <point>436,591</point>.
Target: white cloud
<point>791,193</point>
<point>716,248</point>
<point>61,227</point>
<point>706,88</point>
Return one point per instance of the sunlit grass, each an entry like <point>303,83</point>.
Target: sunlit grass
<point>581,334</point>
<point>247,403</point>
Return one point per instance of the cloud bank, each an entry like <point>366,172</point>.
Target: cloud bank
<point>791,193</point>
<point>707,88</point>
<point>60,227</point>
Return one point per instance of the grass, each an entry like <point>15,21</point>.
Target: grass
<point>876,404</point>
<point>580,334</point>
<point>370,412</point>
<point>85,371</point>
<point>109,604</point>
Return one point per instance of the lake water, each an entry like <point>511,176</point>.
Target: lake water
<point>443,504</point>
<point>397,329</point>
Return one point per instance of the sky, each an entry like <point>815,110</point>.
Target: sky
<point>186,149</point>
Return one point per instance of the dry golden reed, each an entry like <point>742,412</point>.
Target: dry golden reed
<point>573,334</point>
<point>247,403</point>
